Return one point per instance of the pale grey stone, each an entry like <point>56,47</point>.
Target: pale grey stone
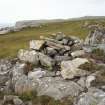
<point>17,71</point>
<point>25,85</point>
<point>46,61</point>
<point>36,44</point>
<point>36,74</point>
<point>90,79</point>
<point>58,88</point>
<point>28,56</point>
<point>94,96</point>
<point>69,69</point>
<point>78,53</point>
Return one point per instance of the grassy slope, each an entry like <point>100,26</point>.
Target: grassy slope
<point>12,42</point>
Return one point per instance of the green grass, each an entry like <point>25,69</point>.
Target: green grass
<point>45,100</point>
<point>12,42</point>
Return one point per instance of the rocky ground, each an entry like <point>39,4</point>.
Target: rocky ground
<point>59,70</point>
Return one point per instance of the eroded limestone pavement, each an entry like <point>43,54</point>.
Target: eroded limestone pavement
<point>52,66</point>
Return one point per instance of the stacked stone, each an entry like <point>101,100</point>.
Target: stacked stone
<point>50,52</point>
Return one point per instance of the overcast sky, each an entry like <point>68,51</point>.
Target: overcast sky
<point>14,10</point>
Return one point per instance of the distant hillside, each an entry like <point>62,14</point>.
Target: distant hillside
<point>12,42</point>
<point>88,18</point>
<point>35,23</point>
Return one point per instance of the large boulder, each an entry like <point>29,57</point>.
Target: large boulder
<point>28,56</point>
<point>54,87</point>
<point>77,53</point>
<point>96,36</point>
<point>58,88</point>
<point>69,69</point>
<point>36,44</point>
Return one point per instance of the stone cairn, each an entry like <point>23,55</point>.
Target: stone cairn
<point>50,52</point>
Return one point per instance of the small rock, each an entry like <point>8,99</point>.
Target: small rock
<point>64,50</point>
<point>36,44</point>
<point>88,49</point>
<point>59,36</point>
<point>70,43</point>
<point>77,53</point>
<point>50,74</point>
<point>36,74</point>
<point>46,61</point>
<point>90,79</point>
<point>17,101</point>
<point>28,103</point>
<point>58,73</point>
<point>61,58</point>
<point>65,41</point>
<point>51,52</point>
<point>87,81</point>
<point>82,82</point>
<point>76,39</point>
<point>76,47</point>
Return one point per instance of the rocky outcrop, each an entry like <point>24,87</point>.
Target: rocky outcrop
<point>96,36</point>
